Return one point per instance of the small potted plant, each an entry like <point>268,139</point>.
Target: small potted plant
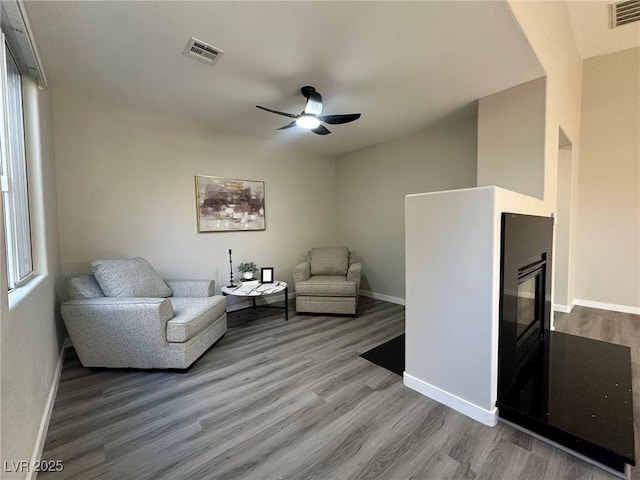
<point>247,269</point>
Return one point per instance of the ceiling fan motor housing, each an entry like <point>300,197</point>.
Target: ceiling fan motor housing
<point>314,101</point>
<point>307,91</point>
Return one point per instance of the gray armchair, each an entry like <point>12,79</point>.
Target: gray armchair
<point>328,282</point>
<point>126,316</point>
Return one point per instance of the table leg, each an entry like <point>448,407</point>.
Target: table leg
<point>286,304</point>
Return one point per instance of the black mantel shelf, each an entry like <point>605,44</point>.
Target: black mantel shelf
<point>577,392</point>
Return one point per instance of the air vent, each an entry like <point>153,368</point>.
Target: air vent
<point>202,52</point>
<point>624,12</point>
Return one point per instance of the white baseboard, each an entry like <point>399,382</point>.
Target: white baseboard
<point>563,308</point>
<point>608,306</point>
<point>487,417</point>
<point>48,409</point>
<point>244,302</point>
<point>380,296</point>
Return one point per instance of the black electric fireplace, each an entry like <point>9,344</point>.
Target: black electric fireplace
<point>573,391</point>
<point>525,286</point>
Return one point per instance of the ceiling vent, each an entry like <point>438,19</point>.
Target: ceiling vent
<point>202,52</point>
<point>624,12</point>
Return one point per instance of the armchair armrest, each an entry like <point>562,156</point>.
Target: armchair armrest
<point>302,272</point>
<point>192,288</point>
<point>355,273</point>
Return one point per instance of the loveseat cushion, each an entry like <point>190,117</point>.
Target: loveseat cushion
<point>193,315</point>
<point>129,277</point>
<point>326,286</point>
<point>329,261</point>
<point>83,286</point>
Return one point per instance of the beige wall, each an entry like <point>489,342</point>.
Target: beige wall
<point>511,139</point>
<point>608,207</point>
<point>563,255</point>
<point>431,312</point>
<point>126,188</point>
<point>30,343</point>
<point>547,26</point>
<point>373,182</point>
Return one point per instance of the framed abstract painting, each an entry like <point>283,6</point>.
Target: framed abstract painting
<point>229,205</point>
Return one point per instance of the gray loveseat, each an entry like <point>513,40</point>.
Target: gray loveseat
<point>126,316</point>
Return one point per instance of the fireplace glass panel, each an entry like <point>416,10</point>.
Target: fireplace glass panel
<point>527,291</point>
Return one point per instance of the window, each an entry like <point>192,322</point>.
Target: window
<point>15,194</point>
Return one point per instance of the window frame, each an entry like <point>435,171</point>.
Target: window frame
<point>14,175</point>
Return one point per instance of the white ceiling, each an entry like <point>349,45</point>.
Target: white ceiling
<point>590,23</point>
<point>403,65</point>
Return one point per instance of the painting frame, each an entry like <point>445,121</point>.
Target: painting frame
<point>229,204</point>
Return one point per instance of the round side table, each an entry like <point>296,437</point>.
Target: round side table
<point>256,289</point>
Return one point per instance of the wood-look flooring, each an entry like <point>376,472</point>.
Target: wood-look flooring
<point>275,400</point>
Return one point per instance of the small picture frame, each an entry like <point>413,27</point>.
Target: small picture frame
<point>266,275</point>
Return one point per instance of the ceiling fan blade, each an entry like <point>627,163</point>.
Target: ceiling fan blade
<point>321,130</point>
<point>338,119</point>
<point>288,125</point>
<point>290,115</point>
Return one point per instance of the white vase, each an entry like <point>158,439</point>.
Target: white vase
<point>247,275</point>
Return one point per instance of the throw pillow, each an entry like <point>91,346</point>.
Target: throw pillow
<point>329,261</point>
<point>129,277</point>
<point>83,286</point>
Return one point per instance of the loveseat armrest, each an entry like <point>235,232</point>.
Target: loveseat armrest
<point>192,288</point>
<point>131,311</point>
<point>106,302</point>
<point>302,272</point>
<point>355,273</point>
<point>104,331</point>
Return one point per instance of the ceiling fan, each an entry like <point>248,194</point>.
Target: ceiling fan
<point>310,117</point>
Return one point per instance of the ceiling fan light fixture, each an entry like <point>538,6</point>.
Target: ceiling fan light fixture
<point>307,121</point>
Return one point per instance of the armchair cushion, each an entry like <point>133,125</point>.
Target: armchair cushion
<point>129,277</point>
<point>327,286</point>
<point>329,261</point>
<point>83,286</point>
